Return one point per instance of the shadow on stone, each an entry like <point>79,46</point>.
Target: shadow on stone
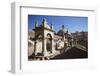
<point>73,53</point>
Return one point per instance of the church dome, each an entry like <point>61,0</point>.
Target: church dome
<point>62,31</point>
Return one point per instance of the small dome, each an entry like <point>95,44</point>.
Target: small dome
<point>64,30</point>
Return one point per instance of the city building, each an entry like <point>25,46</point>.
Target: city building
<point>44,42</point>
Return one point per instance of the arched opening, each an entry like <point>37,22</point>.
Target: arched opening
<point>49,43</point>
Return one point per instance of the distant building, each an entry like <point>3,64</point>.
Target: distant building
<point>81,38</point>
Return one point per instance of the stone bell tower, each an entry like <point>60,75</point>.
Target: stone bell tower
<point>47,35</point>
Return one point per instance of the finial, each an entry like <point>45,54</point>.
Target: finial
<point>63,26</point>
<point>51,26</point>
<point>44,22</point>
<point>36,24</point>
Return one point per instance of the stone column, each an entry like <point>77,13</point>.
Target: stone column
<point>53,50</point>
<point>44,52</point>
<point>35,45</point>
<point>72,42</point>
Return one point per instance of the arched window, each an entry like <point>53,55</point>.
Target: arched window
<point>49,43</point>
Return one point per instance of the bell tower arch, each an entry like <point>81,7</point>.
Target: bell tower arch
<point>45,34</point>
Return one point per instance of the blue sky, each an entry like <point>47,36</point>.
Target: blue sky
<point>73,23</point>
